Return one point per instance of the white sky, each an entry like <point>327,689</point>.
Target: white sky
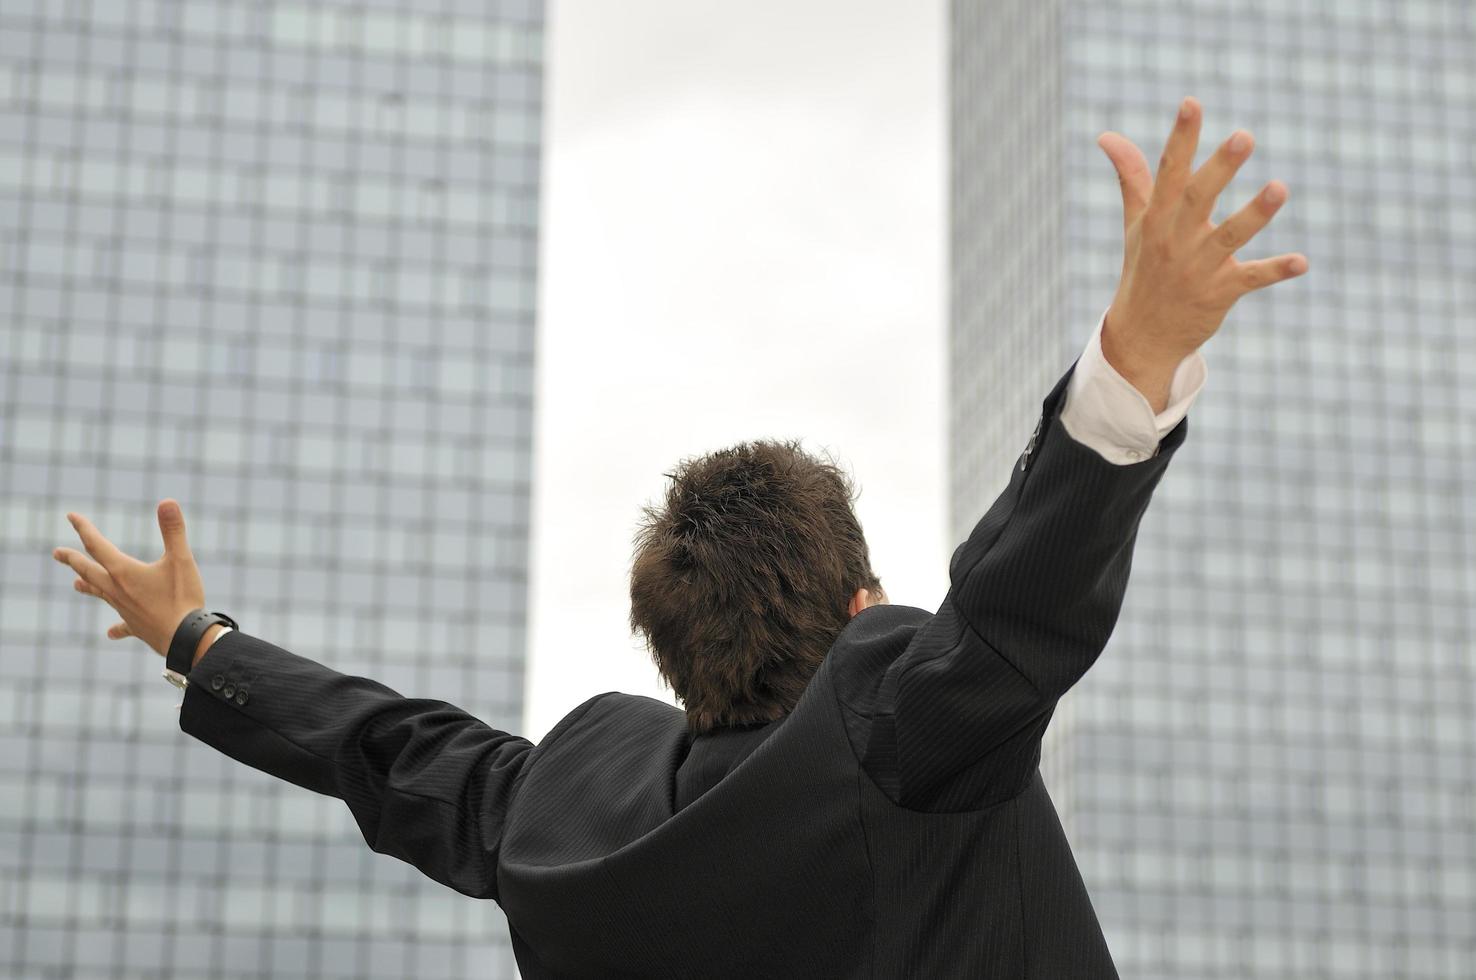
<point>742,237</point>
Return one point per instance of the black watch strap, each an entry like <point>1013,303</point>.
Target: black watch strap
<point>181,656</point>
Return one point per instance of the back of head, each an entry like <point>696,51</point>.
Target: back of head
<point>742,579</point>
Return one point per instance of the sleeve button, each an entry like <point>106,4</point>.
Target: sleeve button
<point>228,690</point>
<point>241,696</point>
<point>216,682</point>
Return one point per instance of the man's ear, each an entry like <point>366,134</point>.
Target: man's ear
<point>860,601</point>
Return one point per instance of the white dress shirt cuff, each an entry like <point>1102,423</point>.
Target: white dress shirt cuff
<point>1104,411</point>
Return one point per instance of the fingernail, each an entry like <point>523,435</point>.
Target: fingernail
<point>1275,194</point>
<point>1185,108</point>
<point>1238,142</point>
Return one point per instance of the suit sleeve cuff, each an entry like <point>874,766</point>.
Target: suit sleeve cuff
<point>1105,412</point>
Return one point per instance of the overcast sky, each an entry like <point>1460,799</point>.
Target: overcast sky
<point>742,238</point>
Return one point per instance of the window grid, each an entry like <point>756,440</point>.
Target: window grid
<point>1270,770</point>
<point>288,279</point>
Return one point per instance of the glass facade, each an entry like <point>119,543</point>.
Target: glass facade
<point>1272,770</point>
<point>278,261</point>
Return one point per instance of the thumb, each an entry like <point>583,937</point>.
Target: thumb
<point>1132,174</point>
<point>172,526</point>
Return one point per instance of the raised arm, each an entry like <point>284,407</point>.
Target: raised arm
<point>426,782</point>
<point>1036,589</point>
<point>1034,593</point>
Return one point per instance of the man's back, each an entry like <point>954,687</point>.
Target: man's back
<point>793,863</point>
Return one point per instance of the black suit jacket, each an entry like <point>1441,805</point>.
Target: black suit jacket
<point>894,824</point>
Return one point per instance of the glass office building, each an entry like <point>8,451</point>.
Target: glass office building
<point>1272,770</point>
<point>278,261</point>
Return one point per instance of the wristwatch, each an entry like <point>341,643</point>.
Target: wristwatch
<point>186,640</point>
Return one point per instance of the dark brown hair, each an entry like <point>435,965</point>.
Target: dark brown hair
<point>741,580</point>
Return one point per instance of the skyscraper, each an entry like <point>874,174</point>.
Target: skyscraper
<point>278,261</point>
<point>1272,769</point>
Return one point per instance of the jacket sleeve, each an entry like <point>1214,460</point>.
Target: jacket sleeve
<point>426,782</point>
<point>1033,596</point>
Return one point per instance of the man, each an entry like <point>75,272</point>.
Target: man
<point>852,789</point>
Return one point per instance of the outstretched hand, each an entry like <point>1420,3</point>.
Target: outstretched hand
<point>152,598</point>
<point>1179,272</point>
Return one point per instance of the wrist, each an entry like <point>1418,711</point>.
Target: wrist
<point>214,631</point>
<point>1151,374</point>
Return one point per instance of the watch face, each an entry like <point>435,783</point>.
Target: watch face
<point>175,678</point>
